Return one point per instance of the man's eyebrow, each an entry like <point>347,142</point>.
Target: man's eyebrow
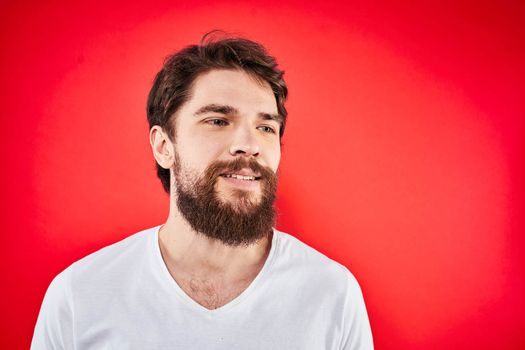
<point>215,108</point>
<point>226,109</point>
<point>270,116</point>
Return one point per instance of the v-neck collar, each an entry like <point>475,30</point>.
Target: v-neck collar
<point>171,283</point>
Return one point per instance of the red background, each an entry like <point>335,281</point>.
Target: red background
<point>403,158</point>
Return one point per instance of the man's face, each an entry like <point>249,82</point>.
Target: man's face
<point>227,153</point>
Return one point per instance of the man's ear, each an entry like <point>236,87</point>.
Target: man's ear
<point>162,147</point>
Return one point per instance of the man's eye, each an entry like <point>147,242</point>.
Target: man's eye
<point>267,129</point>
<point>217,122</point>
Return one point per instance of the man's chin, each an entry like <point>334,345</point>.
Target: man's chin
<point>232,217</point>
<point>241,203</point>
<point>235,195</point>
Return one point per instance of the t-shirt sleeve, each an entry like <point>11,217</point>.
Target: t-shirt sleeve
<point>54,326</point>
<point>358,335</point>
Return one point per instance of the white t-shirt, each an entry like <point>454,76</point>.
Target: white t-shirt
<point>123,297</point>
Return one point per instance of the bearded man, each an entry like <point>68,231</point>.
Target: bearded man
<point>216,275</point>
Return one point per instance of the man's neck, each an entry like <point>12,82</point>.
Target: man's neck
<point>195,251</point>
<point>205,267</point>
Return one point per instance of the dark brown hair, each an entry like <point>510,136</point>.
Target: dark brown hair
<point>172,85</point>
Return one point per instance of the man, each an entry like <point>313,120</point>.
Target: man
<point>216,275</point>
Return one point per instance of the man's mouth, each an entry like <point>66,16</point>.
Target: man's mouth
<point>244,174</point>
<point>242,177</point>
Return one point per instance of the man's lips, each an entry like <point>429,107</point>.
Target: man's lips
<point>242,177</point>
<point>242,181</point>
<point>242,174</point>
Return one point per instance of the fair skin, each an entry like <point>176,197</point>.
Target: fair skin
<point>229,114</point>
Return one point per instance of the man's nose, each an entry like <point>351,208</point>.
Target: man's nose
<point>245,142</point>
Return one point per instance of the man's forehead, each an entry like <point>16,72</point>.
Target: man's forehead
<point>234,88</point>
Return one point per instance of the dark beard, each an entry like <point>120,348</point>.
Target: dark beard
<point>241,223</point>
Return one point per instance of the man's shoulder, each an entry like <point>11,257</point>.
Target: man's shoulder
<point>304,259</point>
<point>299,251</point>
<point>114,257</point>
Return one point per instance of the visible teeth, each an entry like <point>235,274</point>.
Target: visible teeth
<point>241,177</point>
